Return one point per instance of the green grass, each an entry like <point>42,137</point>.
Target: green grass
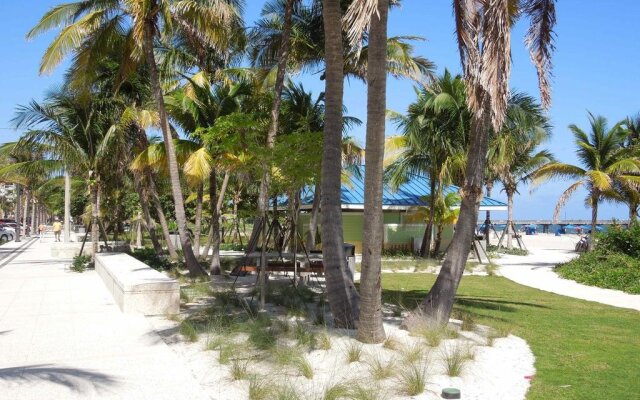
<point>583,350</point>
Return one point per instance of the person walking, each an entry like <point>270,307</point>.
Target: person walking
<point>42,228</point>
<point>57,228</point>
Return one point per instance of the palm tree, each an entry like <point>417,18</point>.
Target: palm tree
<point>434,134</point>
<point>512,152</point>
<point>88,29</point>
<point>74,130</point>
<point>341,292</point>
<point>370,328</point>
<point>484,41</point>
<point>605,163</point>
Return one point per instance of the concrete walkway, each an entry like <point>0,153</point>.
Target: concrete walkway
<point>63,337</point>
<point>536,270</point>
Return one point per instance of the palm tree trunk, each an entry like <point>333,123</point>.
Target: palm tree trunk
<point>195,269</point>
<point>263,196</point>
<point>436,245</point>
<point>509,226</point>
<point>633,213</point>
<point>487,220</point>
<point>149,223</point>
<point>95,214</point>
<point>595,197</point>
<point>438,303</point>
<point>25,212</point>
<point>313,218</point>
<point>198,228</point>
<point>370,328</point>
<point>223,190</point>
<point>33,216</point>
<point>215,267</point>
<point>67,206</point>
<point>18,211</point>
<point>153,193</point>
<point>341,292</point>
<point>425,248</point>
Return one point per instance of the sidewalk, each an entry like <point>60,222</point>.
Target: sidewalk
<point>536,270</point>
<point>63,337</point>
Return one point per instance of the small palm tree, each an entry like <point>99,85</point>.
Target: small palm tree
<point>605,162</point>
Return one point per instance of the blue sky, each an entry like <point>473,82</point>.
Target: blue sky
<point>596,67</point>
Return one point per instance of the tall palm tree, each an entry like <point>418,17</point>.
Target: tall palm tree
<point>88,29</point>
<point>76,132</point>
<point>604,160</point>
<point>484,41</point>
<point>341,291</point>
<point>432,143</point>
<point>512,151</point>
<point>370,328</point>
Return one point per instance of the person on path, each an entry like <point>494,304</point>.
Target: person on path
<point>42,228</point>
<point>57,228</point>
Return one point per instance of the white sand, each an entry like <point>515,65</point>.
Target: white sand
<point>500,371</point>
<point>536,270</point>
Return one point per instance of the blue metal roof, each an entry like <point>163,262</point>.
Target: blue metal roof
<point>409,194</point>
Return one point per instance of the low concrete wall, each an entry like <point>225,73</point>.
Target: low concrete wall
<point>136,287</point>
<point>68,250</point>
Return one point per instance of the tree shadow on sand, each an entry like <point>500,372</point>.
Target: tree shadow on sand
<point>77,380</point>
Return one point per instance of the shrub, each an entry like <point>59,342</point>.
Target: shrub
<point>620,240</point>
<point>149,257</point>
<point>80,263</point>
<point>604,269</point>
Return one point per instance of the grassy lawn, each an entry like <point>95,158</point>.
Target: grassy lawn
<point>583,350</point>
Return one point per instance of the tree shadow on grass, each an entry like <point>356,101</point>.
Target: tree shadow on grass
<point>411,298</point>
<point>77,380</point>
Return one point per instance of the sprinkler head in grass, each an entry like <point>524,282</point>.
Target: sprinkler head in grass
<point>451,393</point>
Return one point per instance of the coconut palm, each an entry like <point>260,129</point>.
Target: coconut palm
<point>75,131</point>
<point>89,29</point>
<point>434,134</point>
<point>512,151</point>
<point>484,41</point>
<point>604,160</point>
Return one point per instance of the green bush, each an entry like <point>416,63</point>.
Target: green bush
<point>620,240</point>
<point>80,263</point>
<point>149,257</point>
<point>604,269</point>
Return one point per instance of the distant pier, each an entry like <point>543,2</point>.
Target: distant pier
<point>546,223</point>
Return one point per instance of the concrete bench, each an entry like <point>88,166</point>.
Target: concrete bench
<point>136,287</point>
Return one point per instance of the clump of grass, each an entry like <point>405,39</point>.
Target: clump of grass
<point>184,296</point>
<point>496,333</point>
<point>304,366</point>
<point>353,352</point>
<point>227,351</point>
<point>281,326</point>
<point>259,389</point>
<point>324,341</point>
<point>337,391</point>
<point>304,336</point>
<point>455,359</point>
<point>362,392</point>
<point>412,378</point>
<point>260,334</point>
<point>239,370</point>
<point>189,331</point>
<point>286,393</point>
<point>380,369</point>
<point>468,321</point>
<point>319,318</point>
<point>391,343</point>
<point>213,342</point>
<point>491,269</point>
<point>413,354</point>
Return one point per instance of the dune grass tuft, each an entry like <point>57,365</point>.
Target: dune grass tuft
<point>353,352</point>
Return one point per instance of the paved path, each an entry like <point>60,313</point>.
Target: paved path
<point>536,270</point>
<point>63,337</point>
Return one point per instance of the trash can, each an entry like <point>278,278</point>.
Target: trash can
<point>350,255</point>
